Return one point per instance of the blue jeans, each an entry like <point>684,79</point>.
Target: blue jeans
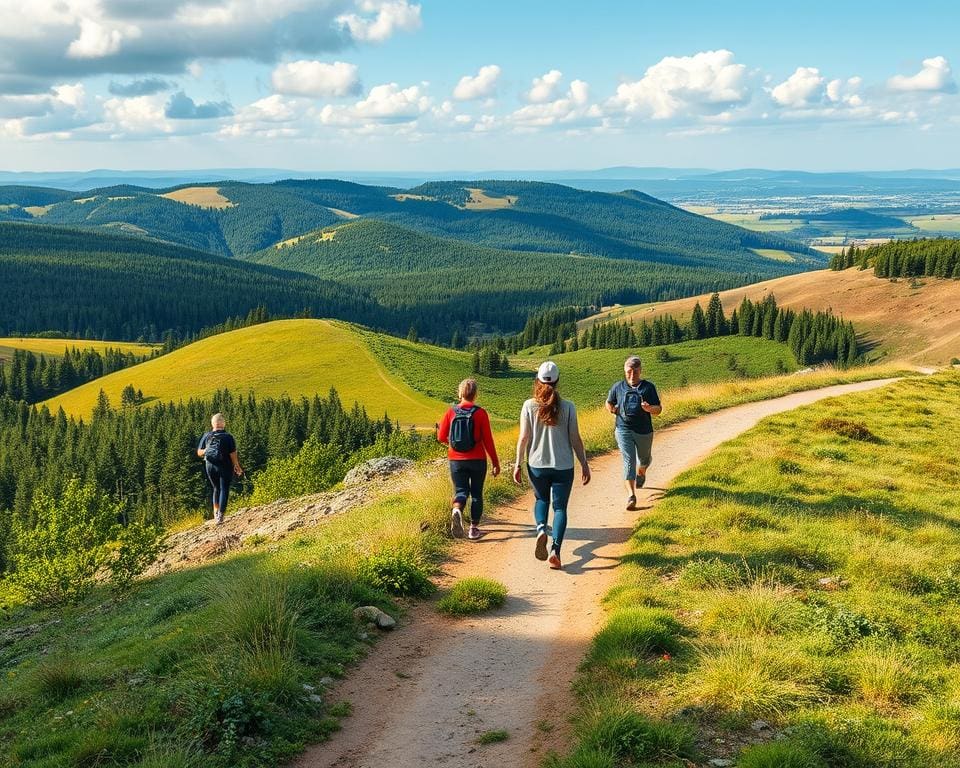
<point>555,483</point>
<point>635,451</point>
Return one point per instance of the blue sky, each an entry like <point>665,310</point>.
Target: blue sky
<point>395,84</point>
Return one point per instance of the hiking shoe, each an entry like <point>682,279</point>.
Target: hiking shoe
<point>217,517</point>
<point>555,560</point>
<point>541,551</point>
<point>474,532</point>
<point>631,502</point>
<point>456,523</point>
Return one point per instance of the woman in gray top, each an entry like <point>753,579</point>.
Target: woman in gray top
<point>549,439</point>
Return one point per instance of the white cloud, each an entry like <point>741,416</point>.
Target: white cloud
<point>543,88</point>
<point>97,40</point>
<point>934,76</point>
<point>387,103</point>
<point>679,86</point>
<point>316,78</point>
<point>479,86</point>
<point>138,115</point>
<point>803,88</point>
<point>390,16</point>
<point>568,111</point>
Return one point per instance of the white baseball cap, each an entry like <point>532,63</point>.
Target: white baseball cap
<point>548,372</point>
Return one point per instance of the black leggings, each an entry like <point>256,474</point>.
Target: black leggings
<point>468,476</point>
<point>220,478</point>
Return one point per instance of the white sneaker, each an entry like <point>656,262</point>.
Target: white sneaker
<point>456,523</point>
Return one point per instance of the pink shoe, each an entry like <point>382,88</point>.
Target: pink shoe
<point>474,532</point>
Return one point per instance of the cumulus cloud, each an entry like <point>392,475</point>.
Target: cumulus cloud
<point>676,86</point>
<point>316,78</point>
<point>544,87</point>
<point>569,111</point>
<point>934,76</point>
<point>145,87</point>
<point>387,103</point>
<point>803,88</point>
<point>144,115</point>
<point>479,86</point>
<point>388,16</point>
<point>41,42</point>
<point>182,107</point>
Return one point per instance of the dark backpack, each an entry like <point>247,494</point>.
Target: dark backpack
<point>215,452</point>
<point>461,429</point>
<point>631,403</point>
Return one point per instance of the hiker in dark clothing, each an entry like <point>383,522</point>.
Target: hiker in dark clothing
<point>465,429</point>
<point>218,450</point>
<point>634,400</point>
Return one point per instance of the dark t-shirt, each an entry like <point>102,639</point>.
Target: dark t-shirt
<point>227,446</point>
<point>641,423</point>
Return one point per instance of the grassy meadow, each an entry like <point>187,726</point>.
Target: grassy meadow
<point>293,357</point>
<point>56,347</point>
<point>207,666</point>
<point>792,601</point>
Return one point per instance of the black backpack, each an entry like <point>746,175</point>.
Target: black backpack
<point>215,453</point>
<point>631,403</point>
<point>461,429</point>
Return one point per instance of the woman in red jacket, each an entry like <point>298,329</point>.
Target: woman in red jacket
<point>465,429</point>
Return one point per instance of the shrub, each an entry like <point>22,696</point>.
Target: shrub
<point>843,626</point>
<point>493,737</point>
<point>397,571</point>
<point>135,547</point>
<point>57,560</point>
<point>472,595</point>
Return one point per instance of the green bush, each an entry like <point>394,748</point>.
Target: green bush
<point>493,737</point>
<point>472,595</point>
<point>397,571</point>
<point>57,560</point>
<point>135,547</point>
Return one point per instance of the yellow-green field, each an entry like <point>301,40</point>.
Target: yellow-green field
<point>774,254</point>
<point>293,357</point>
<point>754,222</point>
<point>56,347</point>
<point>941,222</point>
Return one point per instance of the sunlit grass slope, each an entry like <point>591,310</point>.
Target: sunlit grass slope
<point>56,347</point>
<point>805,574</point>
<point>293,357</point>
<point>585,375</point>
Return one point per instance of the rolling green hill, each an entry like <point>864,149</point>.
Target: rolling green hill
<point>292,357</point>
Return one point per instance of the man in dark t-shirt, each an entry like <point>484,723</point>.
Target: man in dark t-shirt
<point>218,449</point>
<point>634,400</point>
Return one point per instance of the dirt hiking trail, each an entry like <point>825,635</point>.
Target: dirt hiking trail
<point>426,692</point>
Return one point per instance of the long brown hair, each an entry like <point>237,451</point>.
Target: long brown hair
<point>548,402</point>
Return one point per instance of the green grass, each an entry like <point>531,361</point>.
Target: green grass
<point>492,737</point>
<point>192,661</point>
<point>862,669</point>
<point>585,375</point>
<point>942,222</point>
<point>775,255</point>
<point>471,596</point>
<point>754,222</point>
<point>293,357</point>
<point>56,347</point>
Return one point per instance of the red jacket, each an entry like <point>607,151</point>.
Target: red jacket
<point>482,436</point>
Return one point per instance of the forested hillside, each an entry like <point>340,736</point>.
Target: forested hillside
<point>112,286</point>
<point>444,286</point>
<point>522,216</point>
